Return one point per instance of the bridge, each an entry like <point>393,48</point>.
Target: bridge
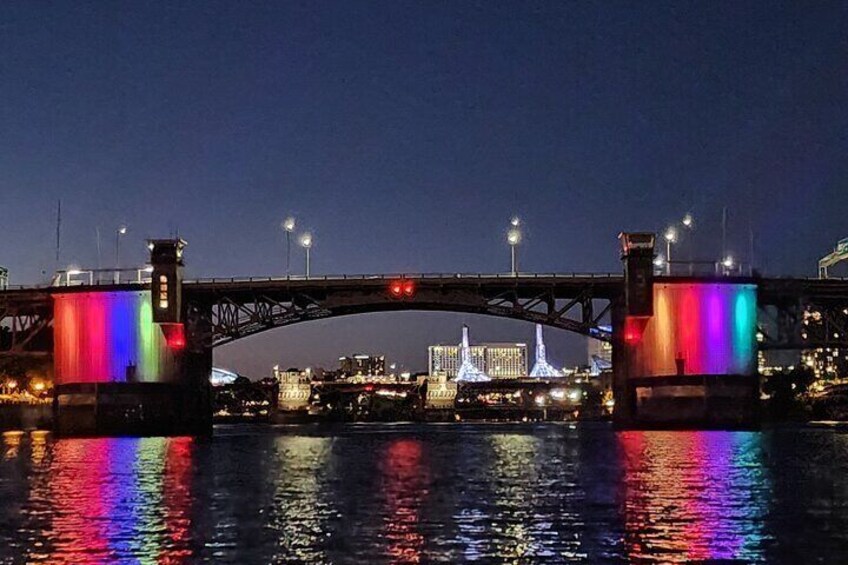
<point>234,308</point>
<point>195,316</point>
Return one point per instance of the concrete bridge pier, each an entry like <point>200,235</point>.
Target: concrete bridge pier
<point>684,348</point>
<point>125,362</point>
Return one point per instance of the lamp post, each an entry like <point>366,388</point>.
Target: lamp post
<point>728,264</point>
<point>288,226</point>
<point>122,230</point>
<point>513,238</point>
<point>670,237</point>
<point>306,243</point>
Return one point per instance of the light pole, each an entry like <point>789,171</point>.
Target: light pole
<point>122,230</point>
<point>670,237</point>
<point>728,264</point>
<point>306,243</point>
<point>513,238</point>
<point>288,225</point>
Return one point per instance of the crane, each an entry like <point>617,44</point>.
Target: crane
<point>840,253</point>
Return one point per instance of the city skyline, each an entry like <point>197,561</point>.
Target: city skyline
<point>412,155</point>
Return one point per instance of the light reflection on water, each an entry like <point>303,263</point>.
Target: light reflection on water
<point>419,494</point>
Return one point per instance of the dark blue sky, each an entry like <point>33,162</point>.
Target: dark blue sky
<point>405,135</point>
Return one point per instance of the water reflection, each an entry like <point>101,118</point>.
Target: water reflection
<point>112,499</point>
<point>404,486</point>
<point>301,505</point>
<point>408,494</point>
<point>694,495</point>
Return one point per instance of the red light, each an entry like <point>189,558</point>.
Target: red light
<point>174,335</point>
<point>396,288</point>
<point>409,288</point>
<point>633,329</point>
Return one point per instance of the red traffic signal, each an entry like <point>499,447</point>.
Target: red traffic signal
<point>401,288</point>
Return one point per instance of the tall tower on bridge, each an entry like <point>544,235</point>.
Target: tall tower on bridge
<point>468,372</point>
<point>542,368</point>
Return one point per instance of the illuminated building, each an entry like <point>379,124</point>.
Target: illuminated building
<point>362,365</point>
<point>828,363</point>
<point>497,360</point>
<point>446,358</point>
<point>505,360</point>
<point>4,278</point>
<point>295,389</point>
<point>441,393</point>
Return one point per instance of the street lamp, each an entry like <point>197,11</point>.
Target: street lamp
<point>513,238</point>
<point>306,243</point>
<point>288,226</point>
<point>670,237</point>
<point>688,220</point>
<point>122,230</point>
<point>727,263</point>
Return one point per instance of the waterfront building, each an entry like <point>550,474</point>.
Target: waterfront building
<point>505,360</point>
<point>497,360</point>
<point>362,365</point>
<point>446,358</point>
<point>295,389</point>
<point>441,392</point>
<point>827,363</point>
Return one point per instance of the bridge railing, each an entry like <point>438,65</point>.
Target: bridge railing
<point>414,276</point>
<point>141,281</point>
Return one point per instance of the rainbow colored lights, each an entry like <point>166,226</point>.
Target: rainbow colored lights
<point>109,337</point>
<point>698,329</point>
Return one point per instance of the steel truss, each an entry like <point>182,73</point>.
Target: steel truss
<point>216,316</point>
<point>24,324</point>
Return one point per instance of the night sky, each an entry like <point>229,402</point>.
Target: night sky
<point>404,136</point>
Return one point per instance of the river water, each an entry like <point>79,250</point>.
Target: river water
<point>426,493</point>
